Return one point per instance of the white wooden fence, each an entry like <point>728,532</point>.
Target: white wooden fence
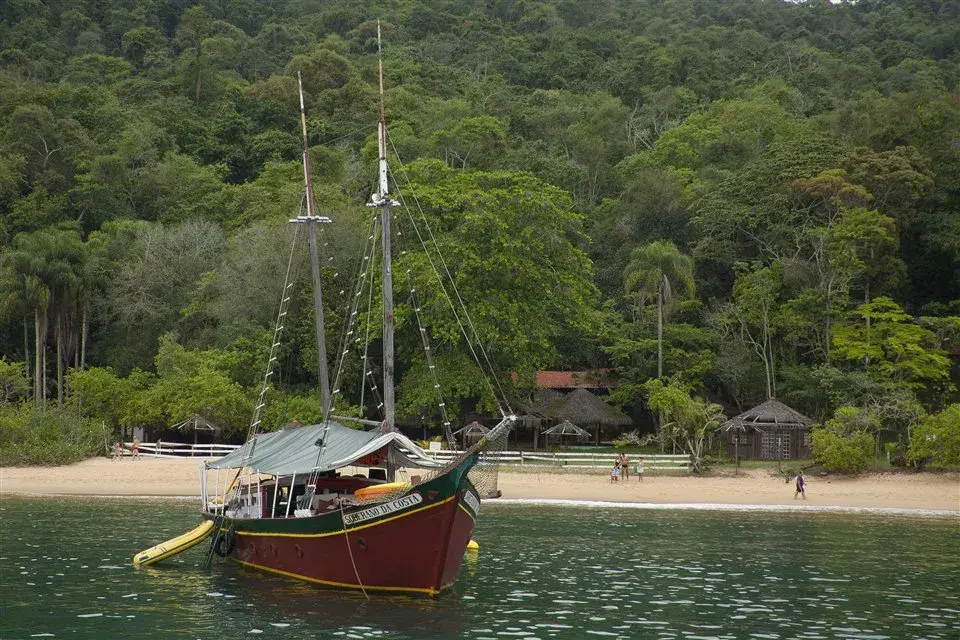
<point>162,449</point>
<point>576,460</point>
<point>524,459</point>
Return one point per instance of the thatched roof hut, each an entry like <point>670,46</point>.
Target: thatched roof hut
<point>582,407</point>
<point>769,431</point>
<point>197,424</point>
<point>769,414</point>
<point>528,412</point>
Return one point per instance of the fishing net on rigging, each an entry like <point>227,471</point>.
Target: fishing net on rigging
<point>483,475</point>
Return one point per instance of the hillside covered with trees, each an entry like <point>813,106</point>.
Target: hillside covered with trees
<point>744,198</point>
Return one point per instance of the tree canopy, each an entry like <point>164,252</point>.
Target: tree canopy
<point>787,170</point>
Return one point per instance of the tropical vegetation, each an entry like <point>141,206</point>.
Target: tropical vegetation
<point>739,199</point>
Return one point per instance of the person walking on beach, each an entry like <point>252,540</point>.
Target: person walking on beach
<point>117,451</point>
<point>639,469</point>
<point>135,449</point>
<point>625,466</point>
<point>615,473</point>
<point>801,487</point>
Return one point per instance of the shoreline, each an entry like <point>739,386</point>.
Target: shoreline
<point>554,502</point>
<point>741,508</point>
<point>916,493</point>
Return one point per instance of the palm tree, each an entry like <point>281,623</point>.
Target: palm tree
<point>23,266</point>
<point>42,267</point>
<point>91,279</point>
<point>658,269</point>
<point>64,265</point>
<point>17,298</point>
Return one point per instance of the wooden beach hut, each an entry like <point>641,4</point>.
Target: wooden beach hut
<point>769,431</point>
<point>584,408</point>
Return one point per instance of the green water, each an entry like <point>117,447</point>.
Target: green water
<point>542,572</point>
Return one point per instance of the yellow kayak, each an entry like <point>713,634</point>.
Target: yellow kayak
<point>174,546</point>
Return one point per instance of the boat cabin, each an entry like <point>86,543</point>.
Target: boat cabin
<point>303,471</point>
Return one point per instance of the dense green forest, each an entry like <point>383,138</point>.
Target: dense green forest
<point>744,198</point>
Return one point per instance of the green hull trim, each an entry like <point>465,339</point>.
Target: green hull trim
<point>433,492</point>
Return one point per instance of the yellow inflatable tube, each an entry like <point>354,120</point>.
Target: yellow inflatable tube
<point>378,490</point>
<point>174,546</point>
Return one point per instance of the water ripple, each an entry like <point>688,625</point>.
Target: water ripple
<point>544,572</point>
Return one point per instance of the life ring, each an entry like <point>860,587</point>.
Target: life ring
<point>378,490</point>
<point>224,543</point>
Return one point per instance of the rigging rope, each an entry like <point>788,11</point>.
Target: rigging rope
<point>346,537</point>
<point>363,273</point>
<point>285,297</point>
<point>366,344</point>
<point>428,354</point>
<point>366,375</point>
<point>364,128</point>
<point>453,285</point>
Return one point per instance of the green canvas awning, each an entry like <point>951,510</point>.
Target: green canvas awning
<point>295,450</point>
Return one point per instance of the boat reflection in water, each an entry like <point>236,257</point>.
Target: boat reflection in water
<point>276,599</point>
<point>185,595</point>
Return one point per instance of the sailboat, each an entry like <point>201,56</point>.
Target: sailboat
<point>339,506</point>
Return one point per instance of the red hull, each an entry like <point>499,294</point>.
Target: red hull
<point>460,535</point>
<point>419,551</point>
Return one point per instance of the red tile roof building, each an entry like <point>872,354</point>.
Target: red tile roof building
<point>592,379</point>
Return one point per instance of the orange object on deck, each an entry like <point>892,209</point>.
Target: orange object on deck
<point>378,490</point>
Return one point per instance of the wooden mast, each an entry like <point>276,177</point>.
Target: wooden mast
<point>311,221</point>
<point>383,201</point>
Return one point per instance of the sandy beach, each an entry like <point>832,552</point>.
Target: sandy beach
<point>181,477</point>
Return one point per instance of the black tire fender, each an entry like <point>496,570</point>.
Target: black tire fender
<point>224,543</point>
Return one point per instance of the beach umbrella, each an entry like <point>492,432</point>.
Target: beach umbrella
<point>566,429</point>
<point>196,424</point>
<point>528,411</point>
<point>471,433</point>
